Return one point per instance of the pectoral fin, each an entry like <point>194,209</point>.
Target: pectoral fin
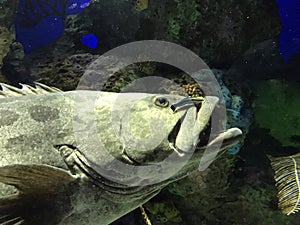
<point>43,198</point>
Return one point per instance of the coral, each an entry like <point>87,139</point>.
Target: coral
<point>192,90</point>
<point>6,38</point>
<point>276,107</point>
<point>238,114</point>
<point>237,103</point>
<point>185,15</point>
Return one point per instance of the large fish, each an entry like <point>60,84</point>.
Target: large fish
<point>89,157</point>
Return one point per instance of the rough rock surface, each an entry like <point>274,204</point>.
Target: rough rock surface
<point>218,31</point>
<point>6,38</point>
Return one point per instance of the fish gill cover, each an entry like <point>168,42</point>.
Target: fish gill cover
<point>289,38</point>
<point>38,22</point>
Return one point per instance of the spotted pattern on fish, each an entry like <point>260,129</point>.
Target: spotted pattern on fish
<point>8,117</point>
<point>41,113</point>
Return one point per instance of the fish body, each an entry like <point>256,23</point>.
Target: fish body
<point>89,157</point>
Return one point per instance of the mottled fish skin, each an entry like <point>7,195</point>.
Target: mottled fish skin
<point>39,136</point>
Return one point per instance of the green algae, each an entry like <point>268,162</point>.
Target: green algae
<point>164,211</point>
<point>277,108</point>
<point>185,15</point>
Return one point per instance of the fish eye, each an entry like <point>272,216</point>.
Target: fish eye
<point>161,102</point>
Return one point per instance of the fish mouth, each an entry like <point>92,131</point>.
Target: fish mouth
<point>223,140</point>
<point>203,137</point>
<point>174,133</point>
<point>185,104</point>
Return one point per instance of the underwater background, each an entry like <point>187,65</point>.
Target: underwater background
<point>251,46</point>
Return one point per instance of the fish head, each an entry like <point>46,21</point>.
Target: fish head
<point>173,129</point>
<point>139,136</point>
<point>157,126</point>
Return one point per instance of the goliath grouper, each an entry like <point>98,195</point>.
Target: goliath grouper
<point>89,157</point>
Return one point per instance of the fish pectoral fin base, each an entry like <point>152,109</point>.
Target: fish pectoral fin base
<point>43,198</point>
<point>32,179</point>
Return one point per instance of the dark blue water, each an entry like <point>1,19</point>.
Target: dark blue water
<point>289,38</point>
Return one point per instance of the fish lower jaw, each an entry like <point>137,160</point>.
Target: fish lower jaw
<point>129,160</point>
<point>227,138</point>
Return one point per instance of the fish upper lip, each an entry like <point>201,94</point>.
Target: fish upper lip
<point>187,103</point>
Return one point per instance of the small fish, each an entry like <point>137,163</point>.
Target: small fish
<point>38,23</point>
<point>286,169</point>
<point>90,40</point>
<point>61,151</point>
<point>76,6</point>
